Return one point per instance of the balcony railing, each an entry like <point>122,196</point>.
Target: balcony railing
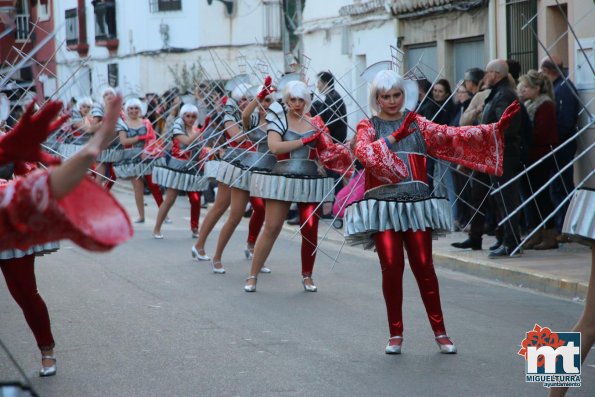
<point>22,27</point>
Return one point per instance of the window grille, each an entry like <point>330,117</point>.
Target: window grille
<point>521,43</point>
<point>165,5</point>
<point>72,26</point>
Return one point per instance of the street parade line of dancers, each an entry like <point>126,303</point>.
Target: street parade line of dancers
<point>270,154</point>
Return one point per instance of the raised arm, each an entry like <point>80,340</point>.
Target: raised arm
<point>479,147</point>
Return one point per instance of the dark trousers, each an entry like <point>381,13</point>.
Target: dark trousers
<point>480,201</point>
<point>507,200</point>
<point>564,184</point>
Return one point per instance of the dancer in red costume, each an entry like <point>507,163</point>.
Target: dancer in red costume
<point>53,204</point>
<point>114,152</point>
<point>398,210</point>
<point>239,173</point>
<point>301,144</point>
<point>135,132</point>
<point>182,171</point>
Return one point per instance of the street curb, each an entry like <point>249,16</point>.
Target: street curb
<point>501,273</point>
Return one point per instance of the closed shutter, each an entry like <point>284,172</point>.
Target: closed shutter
<point>425,57</point>
<point>467,54</point>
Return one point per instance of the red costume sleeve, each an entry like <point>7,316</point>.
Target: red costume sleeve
<point>376,157</point>
<point>333,156</point>
<point>478,147</point>
<point>89,215</point>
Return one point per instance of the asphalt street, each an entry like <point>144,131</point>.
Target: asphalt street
<point>148,320</point>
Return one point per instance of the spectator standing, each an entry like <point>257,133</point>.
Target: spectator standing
<point>567,108</point>
<point>537,91</point>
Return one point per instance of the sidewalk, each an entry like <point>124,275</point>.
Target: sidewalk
<point>564,271</point>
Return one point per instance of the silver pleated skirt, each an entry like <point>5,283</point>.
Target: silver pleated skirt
<point>579,223</point>
<point>179,180</point>
<point>134,169</point>
<point>38,250</point>
<point>364,218</point>
<point>296,190</point>
<point>234,176</point>
<point>211,168</point>
<point>110,156</point>
<point>67,150</point>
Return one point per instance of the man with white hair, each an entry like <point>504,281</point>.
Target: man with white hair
<point>502,94</point>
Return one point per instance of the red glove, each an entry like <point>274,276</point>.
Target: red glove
<point>223,101</point>
<point>143,137</point>
<point>508,114</point>
<point>311,138</point>
<point>206,123</point>
<point>23,142</point>
<point>266,89</point>
<point>405,129</point>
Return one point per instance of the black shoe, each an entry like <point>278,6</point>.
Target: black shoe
<point>294,221</point>
<point>497,245</point>
<point>327,216</point>
<point>503,252</point>
<point>474,244</point>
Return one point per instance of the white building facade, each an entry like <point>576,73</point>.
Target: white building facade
<point>135,45</point>
<point>345,37</point>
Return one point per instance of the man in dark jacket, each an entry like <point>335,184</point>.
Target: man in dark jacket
<point>330,106</point>
<point>501,96</point>
<point>567,109</point>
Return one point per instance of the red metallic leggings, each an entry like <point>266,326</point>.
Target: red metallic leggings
<point>256,220</point>
<point>155,191</point>
<point>309,236</point>
<point>194,198</point>
<point>19,274</point>
<point>389,245</point>
<point>111,174</point>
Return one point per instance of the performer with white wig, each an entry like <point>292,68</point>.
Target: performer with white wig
<point>227,172</point>
<point>303,145</point>
<point>77,133</point>
<point>182,171</point>
<point>113,154</point>
<point>398,209</point>
<point>135,133</point>
<point>238,173</point>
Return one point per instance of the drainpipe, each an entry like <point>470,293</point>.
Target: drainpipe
<point>492,19</point>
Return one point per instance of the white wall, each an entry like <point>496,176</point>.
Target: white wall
<point>368,43</point>
<point>142,66</point>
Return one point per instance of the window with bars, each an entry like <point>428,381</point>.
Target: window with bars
<point>272,23</point>
<point>165,5</point>
<point>72,26</point>
<point>521,40</point>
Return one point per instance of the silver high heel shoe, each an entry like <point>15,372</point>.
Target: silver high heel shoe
<point>309,287</point>
<point>446,349</point>
<point>198,255</point>
<point>217,270</point>
<point>248,287</point>
<point>394,349</point>
<point>48,371</point>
